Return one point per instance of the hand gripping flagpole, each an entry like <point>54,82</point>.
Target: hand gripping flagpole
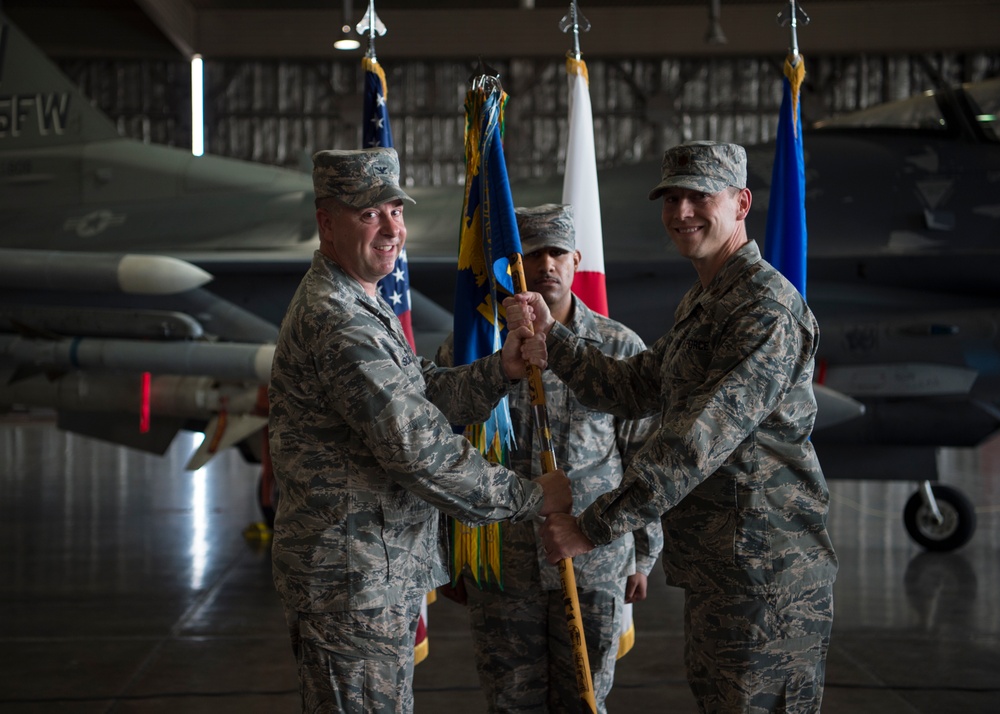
<point>571,600</point>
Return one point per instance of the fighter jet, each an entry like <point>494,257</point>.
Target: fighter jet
<point>101,318</point>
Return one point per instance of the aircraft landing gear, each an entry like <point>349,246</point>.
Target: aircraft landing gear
<point>939,517</point>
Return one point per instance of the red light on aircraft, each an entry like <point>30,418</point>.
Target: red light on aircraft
<point>144,404</point>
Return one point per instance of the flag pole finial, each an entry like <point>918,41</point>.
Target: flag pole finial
<point>575,22</point>
<point>795,15</point>
<point>485,77</point>
<point>371,25</point>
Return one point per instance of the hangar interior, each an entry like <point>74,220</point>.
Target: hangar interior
<point>133,584</point>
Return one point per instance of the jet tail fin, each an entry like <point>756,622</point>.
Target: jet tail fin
<point>39,105</point>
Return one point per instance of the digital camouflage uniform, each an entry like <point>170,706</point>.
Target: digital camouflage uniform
<point>520,636</point>
<point>364,458</point>
<point>734,476</point>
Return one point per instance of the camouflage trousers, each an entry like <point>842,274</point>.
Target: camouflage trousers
<point>523,653</point>
<point>356,661</point>
<point>758,654</point>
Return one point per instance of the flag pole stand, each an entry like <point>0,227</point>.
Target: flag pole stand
<point>567,576</point>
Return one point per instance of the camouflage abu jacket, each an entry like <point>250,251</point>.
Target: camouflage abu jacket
<point>592,448</point>
<point>362,456</point>
<point>731,468</point>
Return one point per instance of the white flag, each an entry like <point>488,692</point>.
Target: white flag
<point>580,191</point>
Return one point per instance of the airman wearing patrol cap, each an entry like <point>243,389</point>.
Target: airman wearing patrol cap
<point>364,454</point>
<point>548,244</point>
<point>523,657</point>
<point>732,382</point>
<point>359,211</point>
<point>705,202</point>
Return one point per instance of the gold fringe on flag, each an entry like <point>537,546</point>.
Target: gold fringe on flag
<point>796,74</point>
<point>576,66</point>
<point>370,64</point>
<point>479,548</point>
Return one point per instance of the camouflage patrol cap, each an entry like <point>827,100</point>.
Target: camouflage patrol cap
<point>547,226</point>
<point>361,178</point>
<point>702,166</point>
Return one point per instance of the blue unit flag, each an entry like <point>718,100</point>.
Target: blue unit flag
<point>786,238</point>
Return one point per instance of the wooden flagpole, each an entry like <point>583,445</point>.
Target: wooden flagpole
<point>574,621</point>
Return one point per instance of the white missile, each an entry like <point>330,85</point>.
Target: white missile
<point>98,272</point>
<point>833,407</point>
<point>221,360</point>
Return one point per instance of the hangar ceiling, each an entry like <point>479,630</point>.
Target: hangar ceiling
<point>508,28</point>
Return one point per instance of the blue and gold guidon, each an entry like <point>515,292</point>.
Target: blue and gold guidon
<point>488,237</point>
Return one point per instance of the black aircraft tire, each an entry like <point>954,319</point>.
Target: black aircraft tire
<point>959,519</point>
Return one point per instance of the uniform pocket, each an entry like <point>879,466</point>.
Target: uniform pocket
<point>752,546</point>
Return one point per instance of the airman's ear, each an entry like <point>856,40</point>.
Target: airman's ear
<point>745,199</point>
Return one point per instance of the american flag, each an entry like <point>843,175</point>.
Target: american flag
<point>395,290</point>
<point>395,287</point>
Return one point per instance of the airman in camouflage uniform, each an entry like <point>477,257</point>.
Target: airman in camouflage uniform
<point>731,469</point>
<point>523,653</point>
<point>364,457</point>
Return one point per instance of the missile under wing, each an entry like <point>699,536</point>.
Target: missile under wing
<point>100,319</point>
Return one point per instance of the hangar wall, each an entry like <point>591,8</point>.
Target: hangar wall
<point>278,112</point>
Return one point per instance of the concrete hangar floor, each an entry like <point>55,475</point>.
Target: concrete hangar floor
<point>128,586</point>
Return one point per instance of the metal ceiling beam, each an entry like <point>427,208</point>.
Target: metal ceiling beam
<point>837,27</point>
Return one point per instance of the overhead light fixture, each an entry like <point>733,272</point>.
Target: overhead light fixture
<point>347,44</point>
<point>345,41</point>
